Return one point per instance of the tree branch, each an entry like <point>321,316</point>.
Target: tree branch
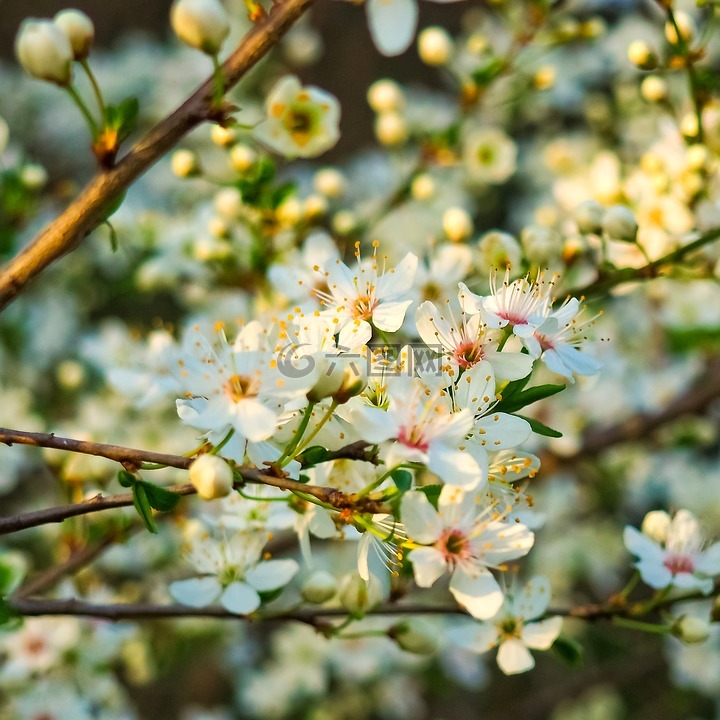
<point>105,190</point>
<point>133,458</point>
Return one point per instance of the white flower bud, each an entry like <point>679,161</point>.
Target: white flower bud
<point>289,212</point>
<point>223,136</point>
<point>331,377</point>
<point>589,215</point>
<point>689,125</point>
<point>303,46</point>
<point>641,55</point>
<point>211,476</point>
<point>45,51</point>
<point>696,157</point>
<point>654,89</point>
<point>435,46</point>
<point>358,596</point>
<point>545,77</point>
<point>79,29</point>
<point>202,24</point>
<point>33,176</point>
<point>391,128</point>
<point>656,525</point>
<point>330,182</point>
<point>242,158</point>
<point>228,202</point>
<point>70,374</point>
<point>685,25</point>
<point>497,251</point>
<point>385,96</point>
<point>4,135</point>
<point>415,635</point>
<point>457,224</point>
<point>691,630</point>
<point>219,228</point>
<point>315,207</point>
<point>344,222</point>
<point>423,187</point>
<point>619,223</point>
<point>185,163</point>
<point>319,587</point>
<point>354,382</point>
<point>541,244</point>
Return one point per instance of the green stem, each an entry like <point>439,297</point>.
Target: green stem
<point>631,585</point>
<point>289,452</point>
<point>642,626</point>
<point>95,86</point>
<point>324,419</point>
<point>361,635</point>
<point>219,82</point>
<point>84,110</point>
<point>217,448</point>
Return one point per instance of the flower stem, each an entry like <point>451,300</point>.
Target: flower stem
<point>289,452</point>
<point>640,625</point>
<point>83,109</point>
<point>324,419</point>
<point>95,86</point>
<point>219,78</point>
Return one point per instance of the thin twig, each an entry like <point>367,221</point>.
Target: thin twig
<point>91,208</point>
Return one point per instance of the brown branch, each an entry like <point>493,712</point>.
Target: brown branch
<point>133,458</point>
<point>105,190</point>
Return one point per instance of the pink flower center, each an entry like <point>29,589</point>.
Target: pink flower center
<point>454,546</point>
<point>413,437</point>
<point>679,564</point>
<point>467,354</point>
<point>513,318</point>
<point>545,342</point>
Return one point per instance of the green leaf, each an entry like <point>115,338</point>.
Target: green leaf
<point>313,456</point>
<point>281,193</point>
<point>9,619</point>
<point>126,479</point>
<point>159,497</point>
<point>520,399</point>
<point>402,479</point>
<point>12,572</point>
<point>143,507</point>
<point>122,117</point>
<point>569,651</point>
<point>540,428</point>
<point>433,493</point>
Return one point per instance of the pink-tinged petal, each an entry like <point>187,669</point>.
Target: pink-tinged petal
<point>271,574</point>
<point>708,562</point>
<point>654,574</point>
<point>642,546</point>
<point>475,637</point>
<point>532,601</point>
<point>196,592</point>
<point>240,598</point>
<point>541,635</point>
<point>513,657</point>
<point>428,565</point>
<point>389,315</point>
<point>477,591</point>
<point>392,24</point>
<point>421,520</point>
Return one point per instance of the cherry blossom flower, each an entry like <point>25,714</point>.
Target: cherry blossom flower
<point>675,557</point>
<point>301,121</point>
<point>463,539</point>
<point>515,629</point>
<point>356,299</point>
<point>232,573</point>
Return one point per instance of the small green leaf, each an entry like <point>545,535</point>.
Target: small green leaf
<point>520,399</point>
<point>402,479</point>
<point>9,619</point>
<point>159,497</point>
<point>313,456</point>
<point>122,118</point>
<point>126,479</point>
<point>540,428</point>
<point>143,507</point>
<point>281,193</point>
<point>433,493</point>
<point>12,572</point>
<point>569,651</point>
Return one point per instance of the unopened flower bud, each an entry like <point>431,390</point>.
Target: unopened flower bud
<point>330,183</point>
<point>654,89</point>
<point>641,55</point>
<point>354,382</point>
<point>619,223</point>
<point>588,216</point>
<point>242,158</point>
<point>315,207</point>
<point>423,187</point>
<point>33,176</point>
<point>685,25</point>
<point>545,77</point>
<point>330,380</point>
<point>185,163</point>
<point>202,24</point>
<point>223,136</point>
<point>691,630</point>
<point>79,29</point>
<point>689,125</point>
<point>319,587</point>
<point>344,222</point>
<point>415,635</point>
<point>391,128</point>
<point>696,157</point>
<point>358,596</point>
<point>211,476</point>
<point>498,250</point>
<point>435,46</point>
<point>385,96</point>
<point>289,212</point>
<point>457,224</point>
<point>541,244</point>
<point>228,202</point>
<point>656,525</point>
<point>45,51</point>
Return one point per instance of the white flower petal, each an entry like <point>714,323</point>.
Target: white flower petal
<point>389,315</point>
<point>477,591</point>
<point>709,560</point>
<point>513,658</point>
<point>196,592</point>
<point>392,24</point>
<point>428,565</point>
<point>271,574</point>
<point>240,598</point>
<point>541,635</point>
<point>654,574</point>
<point>533,599</point>
<point>421,520</point>
<point>642,546</point>
<point>476,637</point>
